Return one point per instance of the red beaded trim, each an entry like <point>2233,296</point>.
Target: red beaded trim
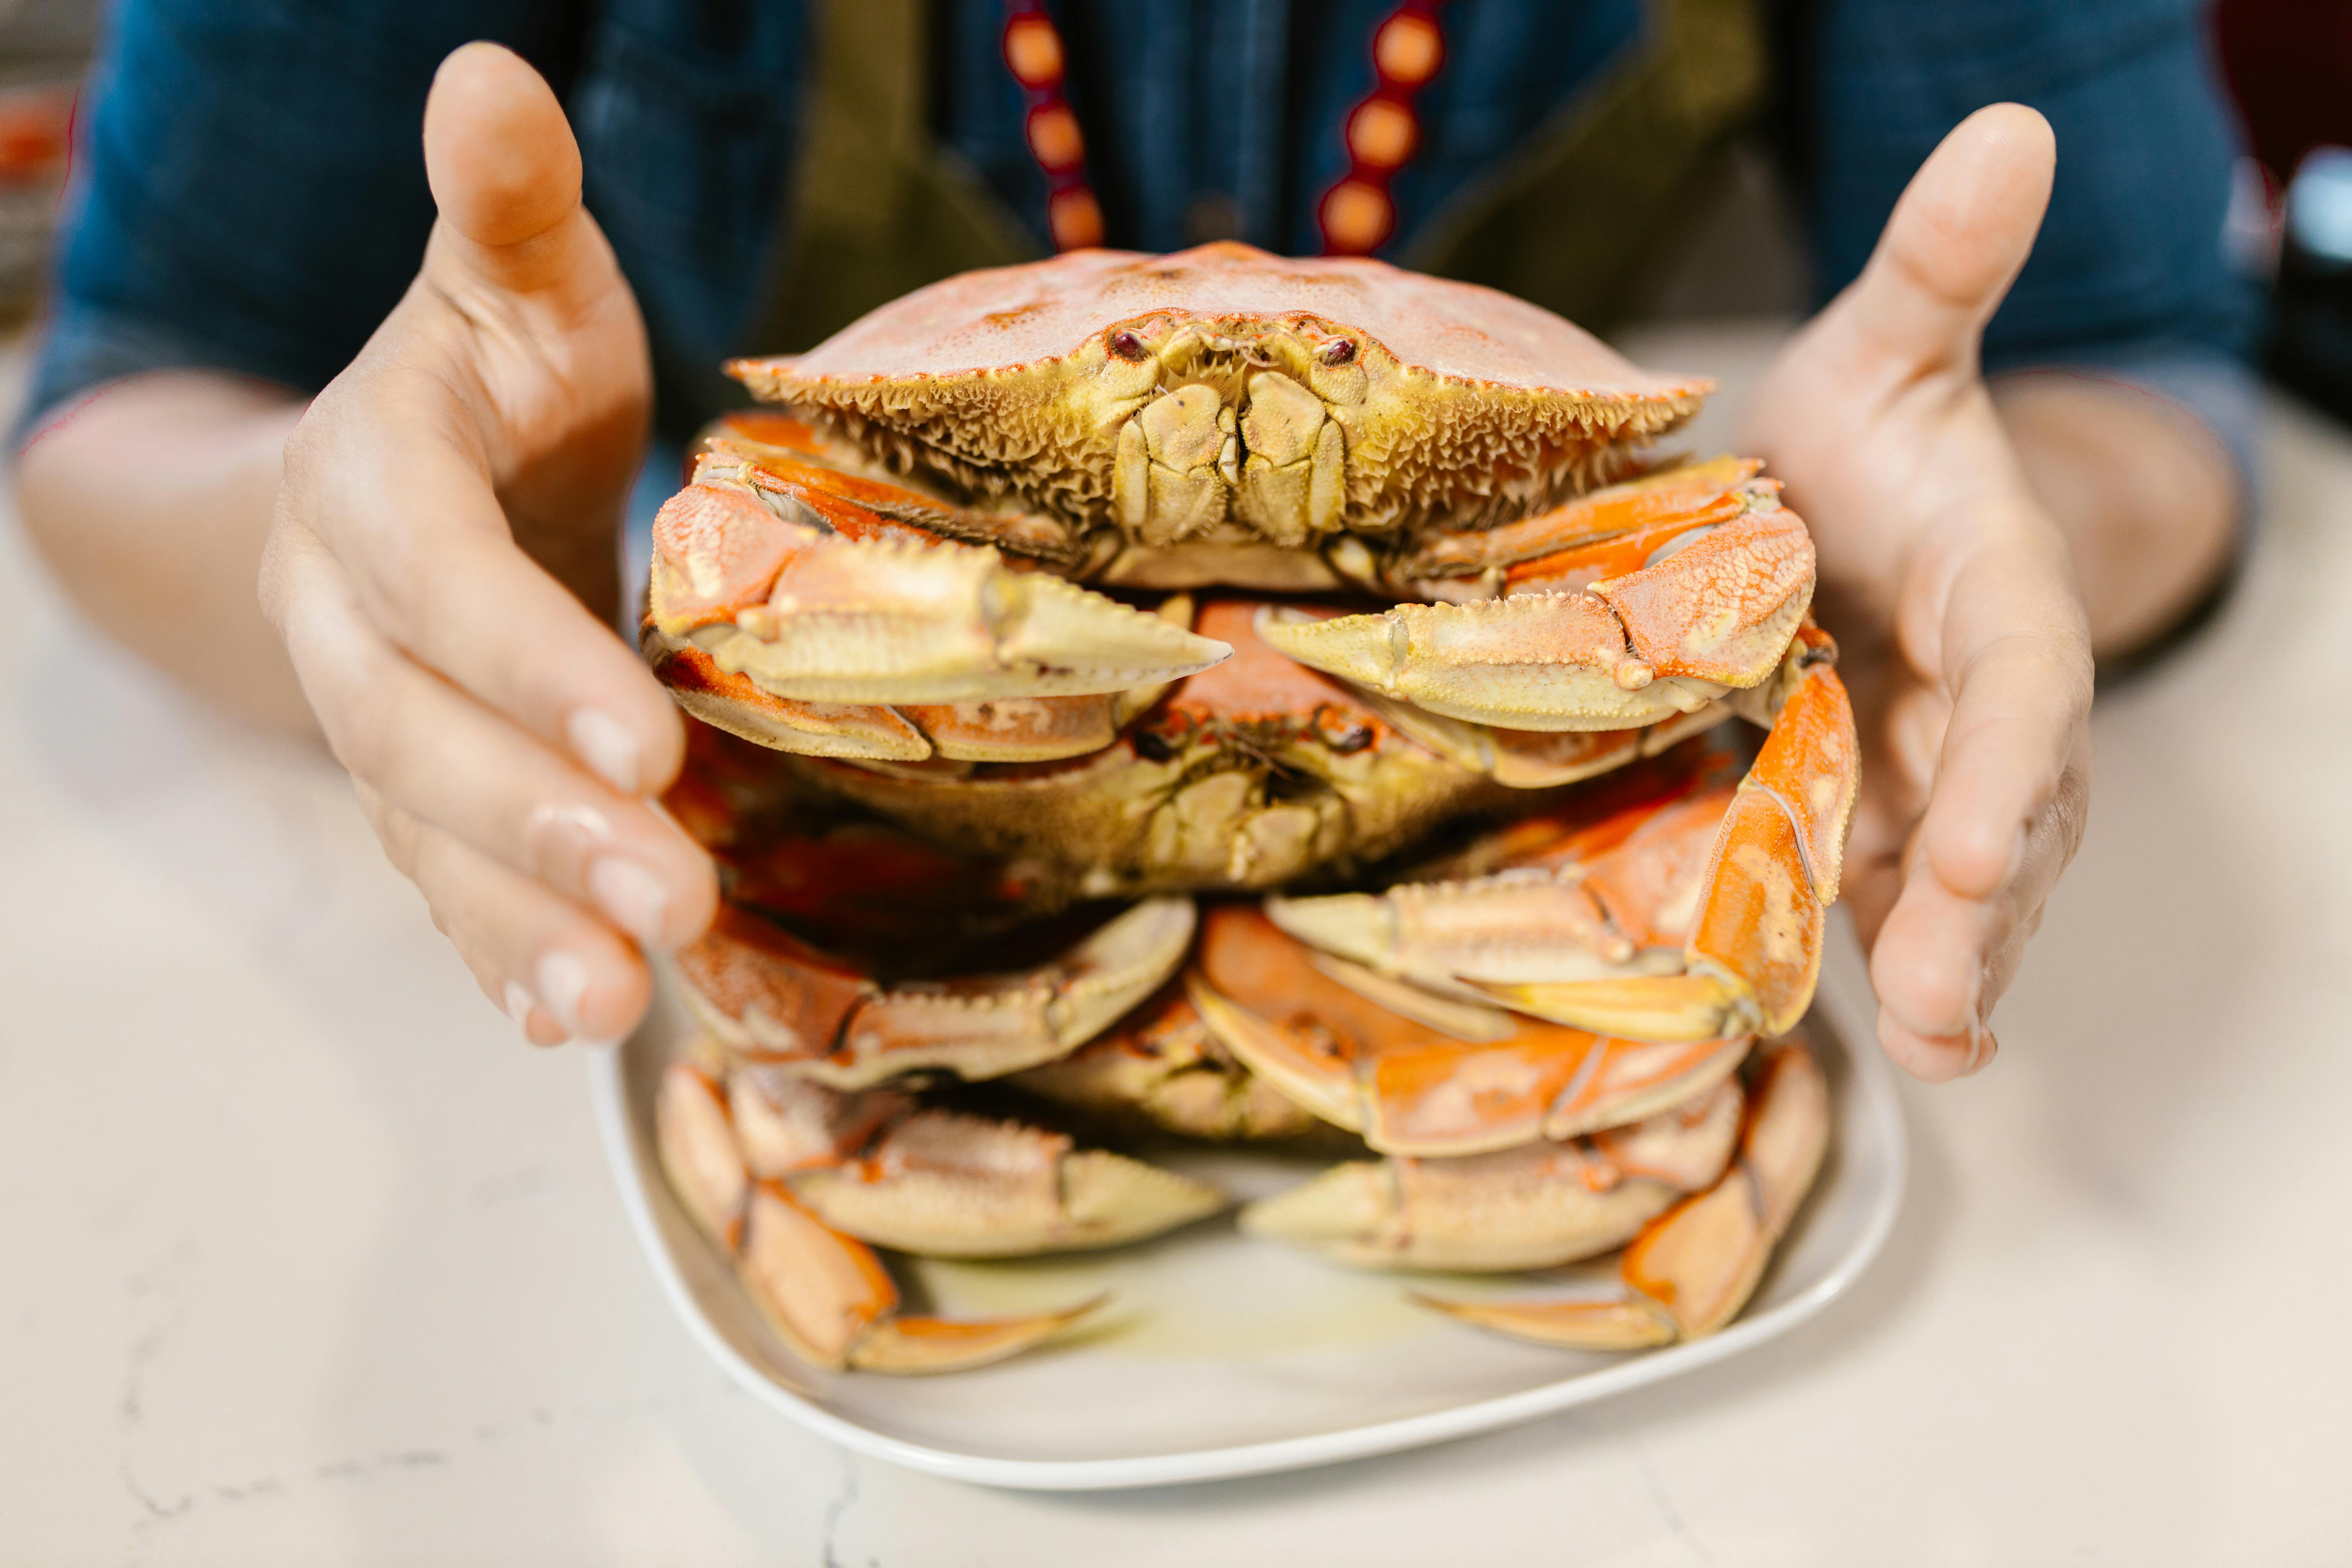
<point>1034,53</point>
<point>1358,215</point>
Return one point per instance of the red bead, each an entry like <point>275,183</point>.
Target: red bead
<point>1034,51</point>
<point>1357,217</point>
<point>1382,133</point>
<point>1055,139</point>
<point>1076,219</point>
<point>1408,49</point>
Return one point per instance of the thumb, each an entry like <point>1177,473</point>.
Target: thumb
<point>1957,239</point>
<point>504,169</point>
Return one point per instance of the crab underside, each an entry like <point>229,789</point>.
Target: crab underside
<point>1243,698</point>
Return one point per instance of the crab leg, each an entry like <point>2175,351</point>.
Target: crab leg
<point>768,995</point>
<point>1535,1206</point>
<point>1755,945</point>
<point>1405,1082</point>
<point>1618,635</point>
<point>826,1294</point>
<point>1691,1270</point>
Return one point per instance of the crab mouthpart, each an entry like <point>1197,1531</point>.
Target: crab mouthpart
<point>1190,464</point>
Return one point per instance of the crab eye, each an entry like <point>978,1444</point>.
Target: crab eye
<point>1339,351</point>
<point>1128,347</point>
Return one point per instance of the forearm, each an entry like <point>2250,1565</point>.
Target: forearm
<point>150,503</point>
<point>2146,496</point>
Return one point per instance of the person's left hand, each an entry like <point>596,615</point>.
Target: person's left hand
<point>1950,591</point>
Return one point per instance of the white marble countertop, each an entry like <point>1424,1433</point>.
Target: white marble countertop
<point>304,1259</point>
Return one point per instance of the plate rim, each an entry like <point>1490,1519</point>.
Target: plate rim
<point>1872,1083</point>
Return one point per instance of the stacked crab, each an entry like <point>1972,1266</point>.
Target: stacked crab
<point>1243,697</point>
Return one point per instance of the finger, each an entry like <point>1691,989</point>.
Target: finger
<point>1902,735</point>
<point>560,974</point>
<point>1956,240</point>
<point>504,169</point>
<point>442,758</point>
<point>1928,970</point>
<point>1934,1013</point>
<point>2010,645</point>
<point>375,475</point>
<point>1990,616</point>
<point>1945,954</point>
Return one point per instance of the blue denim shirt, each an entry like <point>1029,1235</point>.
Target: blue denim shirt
<point>251,196</point>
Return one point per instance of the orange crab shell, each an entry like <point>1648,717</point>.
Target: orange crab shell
<point>1018,379</point>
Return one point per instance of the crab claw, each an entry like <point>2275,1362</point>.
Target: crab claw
<point>1606,912</point>
<point>1536,661</point>
<point>1535,1206</point>
<point>886,620</point>
<point>833,1303</point>
<point>1619,632</point>
<point>1724,605</point>
<point>768,995</point>
<point>1010,730</point>
<point>735,703</point>
<point>949,1186</point>
<point>1693,493</point>
<point>1408,1086</point>
<point>943,1185</point>
<point>1513,926</point>
<point>1162,1065</point>
<point>1691,1270</point>
<point>826,1294</point>
<point>1540,759</point>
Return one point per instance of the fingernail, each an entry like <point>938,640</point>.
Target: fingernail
<point>1982,1047</point>
<point>584,821</point>
<point>518,1006</point>
<point>563,983</point>
<point>605,744</point>
<point>633,896</point>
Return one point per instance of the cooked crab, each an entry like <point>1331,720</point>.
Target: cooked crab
<point>1122,577</point>
<point>890,574</point>
<point>1512,1141</point>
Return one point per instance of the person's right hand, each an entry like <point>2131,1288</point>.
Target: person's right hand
<point>443,564</point>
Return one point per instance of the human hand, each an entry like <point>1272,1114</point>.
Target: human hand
<point>444,558</point>
<point>1949,589</point>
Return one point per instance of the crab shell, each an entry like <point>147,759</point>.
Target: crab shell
<point>1224,394</point>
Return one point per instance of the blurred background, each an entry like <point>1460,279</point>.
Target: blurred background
<point>2287,64</point>
<point>44,46</point>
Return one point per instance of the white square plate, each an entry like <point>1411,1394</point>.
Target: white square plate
<point>1218,1356</point>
